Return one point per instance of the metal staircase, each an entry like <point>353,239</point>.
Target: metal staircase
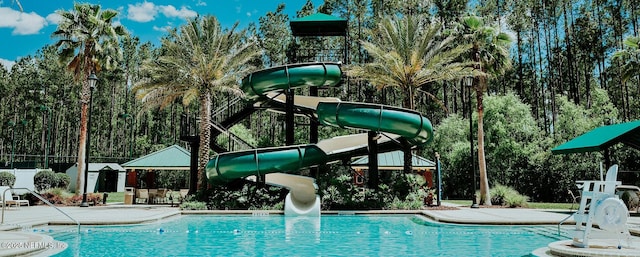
<point>224,118</point>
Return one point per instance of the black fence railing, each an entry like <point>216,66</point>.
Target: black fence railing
<point>189,125</point>
<point>318,55</point>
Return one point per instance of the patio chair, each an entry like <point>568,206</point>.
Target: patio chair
<point>161,196</point>
<point>153,194</point>
<point>183,194</point>
<point>142,194</point>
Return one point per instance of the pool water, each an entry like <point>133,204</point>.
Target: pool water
<point>330,235</point>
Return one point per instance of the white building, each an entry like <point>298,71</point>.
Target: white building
<point>102,177</point>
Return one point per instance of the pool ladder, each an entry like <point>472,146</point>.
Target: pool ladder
<point>41,199</point>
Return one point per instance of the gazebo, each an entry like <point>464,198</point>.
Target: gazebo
<point>394,161</point>
<point>172,158</point>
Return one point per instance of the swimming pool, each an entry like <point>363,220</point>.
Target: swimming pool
<point>330,235</point>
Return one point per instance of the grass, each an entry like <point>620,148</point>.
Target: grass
<point>532,205</point>
<point>115,197</point>
<point>560,206</point>
<point>118,197</point>
<point>458,202</point>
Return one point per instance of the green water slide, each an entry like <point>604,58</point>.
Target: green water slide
<point>392,121</point>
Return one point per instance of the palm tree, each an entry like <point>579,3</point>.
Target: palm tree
<point>490,52</point>
<point>198,62</point>
<point>629,58</point>
<point>88,41</point>
<point>409,54</point>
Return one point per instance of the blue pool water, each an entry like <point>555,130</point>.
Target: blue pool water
<point>330,235</point>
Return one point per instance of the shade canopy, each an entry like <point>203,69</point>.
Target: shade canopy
<point>171,158</point>
<point>319,24</point>
<point>603,137</point>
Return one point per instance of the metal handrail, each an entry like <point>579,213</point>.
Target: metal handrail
<point>563,220</point>
<point>231,136</point>
<point>41,199</point>
<point>223,108</point>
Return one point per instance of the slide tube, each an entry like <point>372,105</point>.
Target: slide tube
<point>226,167</point>
<point>259,83</point>
<point>406,123</point>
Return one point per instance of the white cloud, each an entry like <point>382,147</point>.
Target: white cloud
<point>142,12</point>
<point>163,29</point>
<point>171,12</point>
<point>7,64</point>
<point>147,11</point>
<point>201,3</point>
<point>248,14</point>
<point>54,18</point>
<point>22,23</point>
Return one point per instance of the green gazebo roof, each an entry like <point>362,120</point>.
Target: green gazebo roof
<point>394,161</point>
<point>603,137</point>
<point>319,24</point>
<point>171,158</point>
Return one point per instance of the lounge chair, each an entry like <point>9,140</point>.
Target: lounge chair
<point>9,200</point>
<point>142,194</point>
<point>21,202</point>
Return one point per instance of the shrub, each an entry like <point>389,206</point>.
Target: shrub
<point>7,179</point>
<point>515,200</point>
<point>75,200</point>
<point>630,199</point>
<point>62,180</point>
<point>242,196</point>
<point>55,195</point>
<point>507,196</point>
<point>44,180</point>
<point>173,180</point>
<point>193,206</point>
<point>498,193</point>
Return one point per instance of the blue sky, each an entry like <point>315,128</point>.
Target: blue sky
<point>22,33</point>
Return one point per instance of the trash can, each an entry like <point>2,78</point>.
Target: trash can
<point>128,195</point>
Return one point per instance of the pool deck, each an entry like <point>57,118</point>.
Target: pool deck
<point>17,240</point>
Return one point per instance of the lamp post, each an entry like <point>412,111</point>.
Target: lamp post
<point>92,79</point>
<point>469,84</point>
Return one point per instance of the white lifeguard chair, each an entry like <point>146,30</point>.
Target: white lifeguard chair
<point>599,203</point>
